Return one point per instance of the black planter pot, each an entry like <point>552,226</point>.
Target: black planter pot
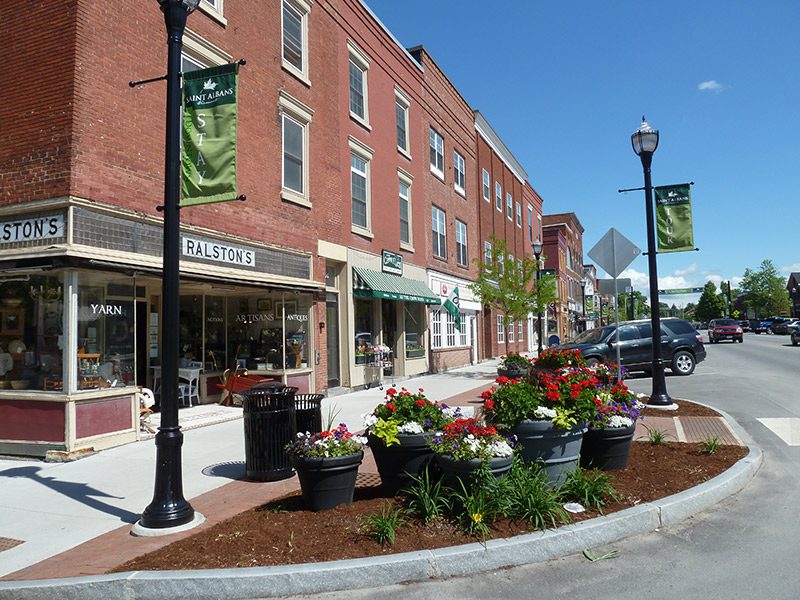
<point>398,462</point>
<point>327,482</point>
<point>556,449</point>
<point>453,470</point>
<point>607,449</point>
<point>512,372</point>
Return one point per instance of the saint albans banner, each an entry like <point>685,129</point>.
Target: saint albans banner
<point>674,218</point>
<point>451,304</point>
<point>208,152</point>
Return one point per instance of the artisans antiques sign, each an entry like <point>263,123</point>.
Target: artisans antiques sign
<point>392,262</point>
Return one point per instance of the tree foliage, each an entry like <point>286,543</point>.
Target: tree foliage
<point>710,304</point>
<point>764,290</point>
<point>507,285</point>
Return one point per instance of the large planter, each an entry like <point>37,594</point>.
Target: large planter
<point>454,470</point>
<point>607,449</point>
<point>327,482</point>
<point>398,462</point>
<point>512,372</point>
<point>556,449</point>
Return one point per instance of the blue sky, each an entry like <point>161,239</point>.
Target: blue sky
<point>566,83</point>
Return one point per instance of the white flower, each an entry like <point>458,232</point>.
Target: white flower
<point>501,448</point>
<point>410,427</point>
<point>452,412</point>
<point>619,421</point>
<point>542,412</point>
<point>369,419</point>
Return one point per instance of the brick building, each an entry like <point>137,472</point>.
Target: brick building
<point>563,251</point>
<point>363,170</point>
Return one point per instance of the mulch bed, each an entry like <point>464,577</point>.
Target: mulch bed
<point>685,409</point>
<point>283,532</point>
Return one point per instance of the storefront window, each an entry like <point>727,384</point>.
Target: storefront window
<point>415,328</point>
<point>31,332</point>
<point>364,330</point>
<point>106,331</point>
<point>191,330</point>
<point>214,356</point>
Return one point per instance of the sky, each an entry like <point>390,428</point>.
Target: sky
<point>565,84</point>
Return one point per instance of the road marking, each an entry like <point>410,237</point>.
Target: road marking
<point>787,428</point>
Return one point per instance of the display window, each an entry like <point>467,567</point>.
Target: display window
<point>415,330</point>
<point>32,332</point>
<point>365,334</point>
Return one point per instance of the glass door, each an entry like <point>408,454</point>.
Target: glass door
<point>332,327</point>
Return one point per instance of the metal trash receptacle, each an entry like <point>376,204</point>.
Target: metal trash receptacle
<point>308,412</point>
<point>269,425</point>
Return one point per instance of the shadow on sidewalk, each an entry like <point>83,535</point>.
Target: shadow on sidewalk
<point>80,492</point>
<point>229,470</point>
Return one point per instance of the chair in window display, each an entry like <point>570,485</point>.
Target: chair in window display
<point>189,385</point>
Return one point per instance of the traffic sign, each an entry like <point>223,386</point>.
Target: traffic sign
<point>614,252</point>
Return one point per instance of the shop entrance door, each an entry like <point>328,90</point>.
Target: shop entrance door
<point>389,318</point>
<point>332,327</point>
<point>141,342</point>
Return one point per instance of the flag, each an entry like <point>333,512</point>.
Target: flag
<point>208,151</point>
<point>451,304</point>
<point>674,218</point>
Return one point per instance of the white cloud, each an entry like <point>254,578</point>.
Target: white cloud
<point>687,271</point>
<point>793,268</point>
<point>711,85</point>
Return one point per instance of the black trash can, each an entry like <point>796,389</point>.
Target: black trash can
<point>308,412</point>
<point>269,425</point>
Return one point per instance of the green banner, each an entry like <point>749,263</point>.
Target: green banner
<point>674,218</point>
<point>208,151</point>
<point>451,304</point>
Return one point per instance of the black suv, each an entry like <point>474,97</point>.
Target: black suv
<point>681,346</point>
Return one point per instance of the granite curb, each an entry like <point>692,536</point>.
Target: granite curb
<point>265,582</point>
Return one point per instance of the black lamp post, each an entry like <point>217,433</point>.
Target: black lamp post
<point>537,253</point>
<point>583,302</point>
<point>168,507</point>
<point>645,141</point>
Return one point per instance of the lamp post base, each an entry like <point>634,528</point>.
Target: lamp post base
<point>660,399</point>
<point>140,530</point>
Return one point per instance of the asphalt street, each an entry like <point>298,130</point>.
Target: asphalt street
<point>745,547</point>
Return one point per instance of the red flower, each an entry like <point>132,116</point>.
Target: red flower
<point>489,404</point>
<point>420,403</point>
<point>391,406</point>
<point>391,391</point>
<point>502,380</point>
<point>487,394</point>
<point>421,390</point>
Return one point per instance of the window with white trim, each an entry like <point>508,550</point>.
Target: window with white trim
<point>501,331</point>
<point>461,243</point>
<point>459,172</point>
<point>498,195</point>
<point>358,68</point>
<point>294,32</point>
<point>509,206</point>
<point>213,8</point>
<point>530,223</point>
<point>360,187</point>
<point>519,330</point>
<point>436,323</point>
<point>402,104</point>
<point>463,339</point>
<point>405,208</point>
<point>487,253</point>
<point>451,328</point>
<point>487,186</point>
<point>295,121</point>
<point>511,331</point>
<point>197,53</point>
<point>439,232</point>
<point>437,153</point>
<point>519,215</point>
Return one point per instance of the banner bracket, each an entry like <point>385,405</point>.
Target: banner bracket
<point>639,189</point>
<point>142,82</point>
<point>694,250</point>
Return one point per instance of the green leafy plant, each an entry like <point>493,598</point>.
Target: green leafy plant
<point>331,443</point>
<point>509,403</point>
<point>655,436</point>
<point>475,503</point>
<point>465,439</point>
<point>592,488</point>
<point>710,445</point>
<point>527,495</point>
<point>406,412</point>
<point>558,359</point>
<point>382,527</point>
<point>515,360</point>
<point>428,499</point>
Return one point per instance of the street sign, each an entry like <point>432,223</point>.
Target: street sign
<point>680,291</point>
<point>614,252</point>
<point>606,286</point>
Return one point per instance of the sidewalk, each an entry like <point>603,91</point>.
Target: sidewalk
<point>76,517</point>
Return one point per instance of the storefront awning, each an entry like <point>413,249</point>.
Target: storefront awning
<point>372,284</point>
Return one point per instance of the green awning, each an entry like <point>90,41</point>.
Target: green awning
<point>372,284</point>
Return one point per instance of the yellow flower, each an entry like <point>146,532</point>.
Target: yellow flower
<point>477,517</point>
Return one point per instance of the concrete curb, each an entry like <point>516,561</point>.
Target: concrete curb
<point>264,582</point>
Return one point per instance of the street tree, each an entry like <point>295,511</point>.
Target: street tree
<point>764,290</point>
<point>507,284</point>
<point>710,304</point>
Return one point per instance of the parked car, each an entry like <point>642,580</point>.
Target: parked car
<point>745,325</point>
<point>782,327</point>
<point>795,336</point>
<point>763,326</point>
<point>681,345</point>
<point>725,329</point>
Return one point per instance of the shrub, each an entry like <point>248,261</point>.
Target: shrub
<point>592,488</point>
<point>404,412</point>
<point>558,359</point>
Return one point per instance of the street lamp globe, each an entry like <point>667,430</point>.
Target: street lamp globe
<point>644,139</point>
<point>187,5</point>
<point>537,248</point>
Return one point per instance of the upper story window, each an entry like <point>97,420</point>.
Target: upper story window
<point>487,253</point>
<point>213,8</point>
<point>199,54</point>
<point>359,102</point>
<point>487,186</point>
<point>405,207</point>
<point>360,189</point>
<point>498,195</point>
<point>439,233</point>
<point>295,121</point>
<point>437,153</point>
<point>530,223</point>
<point>401,107</point>
<point>519,215</point>
<point>461,243</point>
<point>509,207</point>
<point>459,172</point>
<point>294,26</point>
